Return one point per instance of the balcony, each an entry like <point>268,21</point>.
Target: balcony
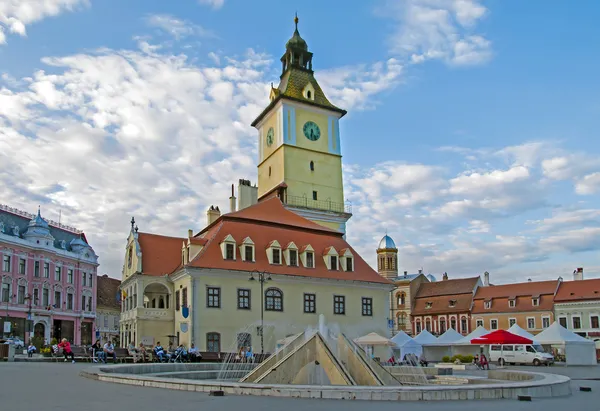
<point>158,314</point>
<point>325,205</point>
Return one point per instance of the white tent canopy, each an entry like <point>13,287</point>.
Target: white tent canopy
<point>406,345</point>
<point>425,338</point>
<point>373,339</point>
<point>476,333</point>
<point>450,337</point>
<point>578,350</point>
<point>515,329</point>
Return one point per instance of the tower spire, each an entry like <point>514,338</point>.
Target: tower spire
<point>296,21</point>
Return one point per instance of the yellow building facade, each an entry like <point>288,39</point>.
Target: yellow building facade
<point>206,288</point>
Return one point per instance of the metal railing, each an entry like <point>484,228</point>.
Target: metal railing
<point>305,202</point>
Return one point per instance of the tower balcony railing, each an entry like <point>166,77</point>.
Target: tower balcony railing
<point>326,205</point>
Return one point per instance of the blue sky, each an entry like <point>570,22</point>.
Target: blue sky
<point>471,135</point>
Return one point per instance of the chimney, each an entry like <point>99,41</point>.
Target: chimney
<point>232,201</point>
<point>445,277</point>
<point>247,194</point>
<point>486,279</point>
<point>420,271</point>
<point>529,280</point>
<point>578,274</point>
<point>190,233</point>
<point>405,273</point>
<point>212,215</point>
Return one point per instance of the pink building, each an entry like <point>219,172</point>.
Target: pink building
<point>48,276</point>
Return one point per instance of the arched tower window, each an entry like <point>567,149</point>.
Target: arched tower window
<point>312,163</point>
<point>309,94</point>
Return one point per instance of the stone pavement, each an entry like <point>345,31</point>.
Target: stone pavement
<point>58,387</point>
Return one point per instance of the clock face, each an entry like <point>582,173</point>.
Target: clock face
<point>311,131</point>
<point>270,136</point>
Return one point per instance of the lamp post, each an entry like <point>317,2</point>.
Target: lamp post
<point>28,328</point>
<point>262,278</point>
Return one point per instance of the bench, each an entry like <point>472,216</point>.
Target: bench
<point>123,355</point>
<point>211,356</point>
<point>81,353</point>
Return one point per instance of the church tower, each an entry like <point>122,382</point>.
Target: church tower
<point>300,158</point>
<point>387,258</point>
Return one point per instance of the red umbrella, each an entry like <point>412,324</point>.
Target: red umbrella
<point>501,337</point>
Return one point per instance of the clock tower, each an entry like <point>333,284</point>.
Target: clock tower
<point>300,158</point>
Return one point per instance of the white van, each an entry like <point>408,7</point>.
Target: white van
<point>520,354</point>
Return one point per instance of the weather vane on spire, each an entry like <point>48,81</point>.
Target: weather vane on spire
<point>296,20</point>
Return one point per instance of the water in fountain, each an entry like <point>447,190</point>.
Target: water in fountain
<point>231,366</point>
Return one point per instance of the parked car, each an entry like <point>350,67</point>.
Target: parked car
<point>520,354</point>
<point>18,343</point>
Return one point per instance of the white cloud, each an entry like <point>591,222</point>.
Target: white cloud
<point>177,28</point>
<point>16,14</point>
<point>439,30</point>
<point>352,87</point>
<point>215,4</point>
<point>589,184</point>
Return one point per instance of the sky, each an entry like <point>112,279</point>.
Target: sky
<point>471,136</point>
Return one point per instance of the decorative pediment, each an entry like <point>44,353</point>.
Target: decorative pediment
<point>291,246</point>
<point>57,287</point>
<point>248,241</point>
<point>22,281</point>
<point>274,244</point>
<point>228,239</point>
<point>70,290</point>
<point>6,279</point>
<point>330,251</point>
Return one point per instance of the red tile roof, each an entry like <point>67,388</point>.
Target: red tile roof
<point>267,221</point>
<point>522,293</point>
<point>160,254</point>
<point>441,304</point>
<point>440,293</point>
<point>107,292</point>
<point>447,287</point>
<point>570,291</point>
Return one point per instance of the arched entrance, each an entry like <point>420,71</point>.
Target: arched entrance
<point>39,330</point>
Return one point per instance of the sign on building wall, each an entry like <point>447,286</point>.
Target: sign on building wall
<point>149,341</point>
<point>7,325</point>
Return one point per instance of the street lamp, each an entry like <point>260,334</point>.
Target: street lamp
<point>263,277</point>
<point>29,322</point>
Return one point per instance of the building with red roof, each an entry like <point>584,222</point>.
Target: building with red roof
<point>577,305</point>
<point>258,275</point>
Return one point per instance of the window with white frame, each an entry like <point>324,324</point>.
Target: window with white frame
<point>22,266</point>
<point>274,252</point>
<point>333,262</point>
<point>479,322</point>
<point>6,263</point>
<point>57,273</point>
<point>228,248</point>
<point>594,322</point>
<point>576,322</point>
<point>46,270</point>
<point>307,256</point>
<point>487,304</point>
<point>512,321</point>
<point>531,323</point>
<point>545,322</point>
<point>512,303</point>
<point>563,321</point>
<point>247,250</point>
<point>291,254</point>
<point>346,260</point>
<point>330,257</point>
<point>493,324</point>
<point>535,301</point>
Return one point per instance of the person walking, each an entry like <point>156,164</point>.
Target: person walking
<point>66,347</point>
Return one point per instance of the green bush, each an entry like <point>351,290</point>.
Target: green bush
<point>464,359</point>
<point>445,358</point>
<point>54,341</point>
<point>38,342</point>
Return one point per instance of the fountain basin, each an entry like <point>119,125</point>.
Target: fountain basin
<point>505,384</point>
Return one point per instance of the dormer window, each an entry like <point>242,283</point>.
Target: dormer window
<point>310,260</point>
<point>487,304</point>
<point>228,248</point>
<point>293,257</point>
<point>428,305</point>
<point>309,92</point>
<point>512,303</point>
<point>330,257</point>
<point>346,260</point>
<point>291,254</point>
<point>229,252</point>
<point>248,253</point>
<point>535,301</point>
<point>452,303</point>
<point>307,256</point>
<point>274,252</point>
<point>247,249</point>
<point>333,262</point>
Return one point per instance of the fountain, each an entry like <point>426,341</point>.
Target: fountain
<point>323,362</point>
